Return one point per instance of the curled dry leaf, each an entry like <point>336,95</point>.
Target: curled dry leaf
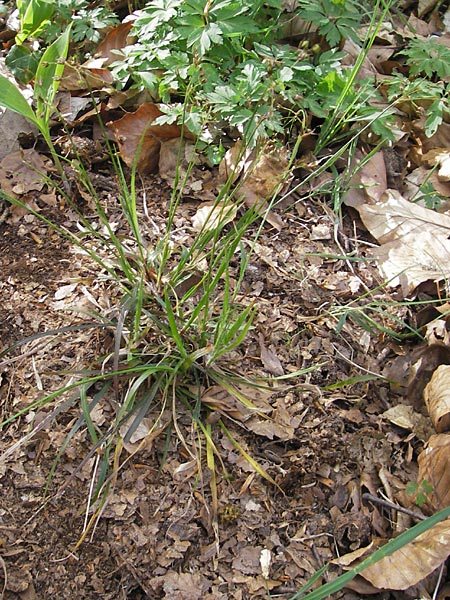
<point>116,39</point>
<point>412,563</point>
<point>439,157</point>
<point>221,401</point>
<point>261,175</point>
<point>212,216</point>
<point>89,76</point>
<point>369,181</point>
<point>437,398</point>
<point>415,246</point>
<point>394,218</point>
<point>404,416</point>
<point>434,468</point>
<point>22,172</point>
<point>422,370</point>
<point>436,332</point>
<point>269,359</point>
<point>172,157</point>
<point>93,73</point>
<point>414,239</point>
<point>139,140</point>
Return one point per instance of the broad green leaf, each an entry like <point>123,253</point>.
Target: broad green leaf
<point>34,16</point>
<point>11,98</point>
<point>22,63</point>
<point>49,72</point>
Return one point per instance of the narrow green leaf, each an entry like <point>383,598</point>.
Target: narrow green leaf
<point>86,410</point>
<point>173,327</point>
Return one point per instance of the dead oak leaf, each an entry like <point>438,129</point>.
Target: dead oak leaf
<point>139,140</point>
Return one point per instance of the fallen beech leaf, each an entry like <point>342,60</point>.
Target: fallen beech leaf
<point>439,157</point>
<point>236,162</point>
<point>11,125</point>
<point>422,370</point>
<point>415,246</point>
<point>220,400</point>
<point>369,181</point>
<point>139,140</point>
<point>412,563</point>
<point>409,262</point>
<point>407,566</point>
<point>393,218</point>
<point>89,76</point>
<point>65,291</point>
<point>414,239</point>
<point>403,416</point>
<point>425,6</point>
<point>212,216</point>
<point>437,398</point>
<point>115,39</point>
<point>269,359</point>
<point>434,468</point>
<point>171,159</point>
<point>261,175</point>
<point>22,172</point>
<point>270,429</point>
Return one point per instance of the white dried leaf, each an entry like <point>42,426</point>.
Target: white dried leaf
<point>265,561</point>
<point>209,217</point>
<point>65,291</point>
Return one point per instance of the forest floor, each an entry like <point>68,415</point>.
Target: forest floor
<point>325,446</point>
<point>340,422</point>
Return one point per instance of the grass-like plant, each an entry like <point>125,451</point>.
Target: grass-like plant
<point>176,320</point>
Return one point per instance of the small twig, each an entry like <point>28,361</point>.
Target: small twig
<point>397,507</point>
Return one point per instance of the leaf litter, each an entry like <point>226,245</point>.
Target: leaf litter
<point>326,440</point>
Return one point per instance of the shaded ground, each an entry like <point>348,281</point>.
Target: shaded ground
<point>154,538</point>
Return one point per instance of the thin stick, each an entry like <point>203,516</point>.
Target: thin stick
<point>387,504</point>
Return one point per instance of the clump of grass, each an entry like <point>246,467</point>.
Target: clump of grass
<point>176,321</point>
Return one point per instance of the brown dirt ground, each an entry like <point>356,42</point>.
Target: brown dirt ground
<point>154,538</point>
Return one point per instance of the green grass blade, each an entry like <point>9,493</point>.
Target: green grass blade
<point>173,327</point>
<point>86,409</point>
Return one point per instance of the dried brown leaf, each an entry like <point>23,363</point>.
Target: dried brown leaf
<point>269,359</point>
<point>137,137</point>
<point>22,172</point>
<point>210,216</point>
<point>437,398</point>
<point>415,246</point>
<point>422,370</point>
<point>89,76</point>
<point>261,175</point>
<point>434,468</point>
<point>412,563</point>
<point>425,6</point>
<point>116,39</point>
<point>408,565</point>
<point>369,181</point>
